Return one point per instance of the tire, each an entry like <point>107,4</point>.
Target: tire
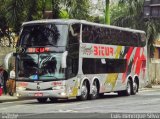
<point>128,90</point>
<point>84,92</point>
<point>53,99</point>
<point>134,88</point>
<point>101,95</point>
<point>120,93</point>
<point>94,91</point>
<point>42,100</point>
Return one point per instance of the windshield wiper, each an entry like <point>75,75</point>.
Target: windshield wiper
<point>51,76</point>
<point>23,78</point>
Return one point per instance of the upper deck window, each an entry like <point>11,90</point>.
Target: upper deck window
<point>44,35</point>
<point>104,35</point>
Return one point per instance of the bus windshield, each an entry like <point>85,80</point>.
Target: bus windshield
<point>46,66</point>
<point>46,34</point>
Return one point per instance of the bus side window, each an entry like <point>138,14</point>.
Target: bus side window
<point>86,35</point>
<point>72,66</point>
<point>73,50</point>
<point>74,34</point>
<point>90,34</point>
<point>142,40</point>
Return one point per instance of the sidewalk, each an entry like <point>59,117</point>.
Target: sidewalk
<point>8,98</point>
<point>154,87</point>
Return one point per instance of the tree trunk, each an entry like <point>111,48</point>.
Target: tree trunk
<point>43,7</point>
<point>107,13</point>
<point>55,9</point>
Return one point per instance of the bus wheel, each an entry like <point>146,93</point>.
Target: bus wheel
<point>134,88</point>
<point>126,92</point>
<point>94,91</point>
<point>84,92</point>
<point>42,100</point>
<point>53,99</point>
<point>101,95</point>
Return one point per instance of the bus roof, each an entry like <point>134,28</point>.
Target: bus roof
<point>73,21</point>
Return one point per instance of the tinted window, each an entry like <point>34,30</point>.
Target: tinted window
<point>102,35</point>
<point>74,34</point>
<point>97,66</point>
<point>73,50</point>
<point>44,34</point>
<point>40,66</point>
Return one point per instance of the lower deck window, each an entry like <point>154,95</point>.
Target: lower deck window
<point>97,66</point>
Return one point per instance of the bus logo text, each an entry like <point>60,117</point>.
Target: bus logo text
<point>103,51</point>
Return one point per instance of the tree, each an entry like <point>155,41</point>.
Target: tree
<point>130,14</point>
<point>55,8</point>
<point>64,14</point>
<point>74,8</point>
<point>31,9</point>
<point>14,12</point>
<point>77,9</point>
<point>107,13</point>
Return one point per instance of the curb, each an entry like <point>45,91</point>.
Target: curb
<point>154,88</point>
<point>149,89</point>
<point>10,100</point>
<point>15,99</point>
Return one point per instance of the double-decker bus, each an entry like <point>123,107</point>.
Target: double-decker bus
<point>58,59</point>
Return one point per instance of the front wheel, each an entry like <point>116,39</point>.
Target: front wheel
<point>84,92</point>
<point>42,100</point>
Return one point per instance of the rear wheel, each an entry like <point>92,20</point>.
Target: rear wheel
<point>42,100</point>
<point>84,92</point>
<point>134,88</point>
<point>126,92</point>
<point>94,91</point>
<point>101,95</point>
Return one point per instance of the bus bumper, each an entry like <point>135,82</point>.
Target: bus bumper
<point>37,94</point>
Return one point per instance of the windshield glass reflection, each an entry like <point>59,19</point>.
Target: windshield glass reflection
<point>50,66</point>
<point>40,66</point>
<point>43,35</point>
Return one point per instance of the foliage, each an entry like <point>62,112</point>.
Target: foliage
<point>129,13</point>
<point>78,9</point>
<point>55,8</point>
<point>14,12</point>
<point>107,12</point>
<point>64,14</point>
<point>31,10</point>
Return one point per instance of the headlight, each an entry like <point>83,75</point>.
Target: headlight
<point>18,95</point>
<point>58,87</point>
<point>63,94</point>
<point>21,88</point>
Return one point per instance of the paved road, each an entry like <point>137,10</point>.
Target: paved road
<point>144,102</point>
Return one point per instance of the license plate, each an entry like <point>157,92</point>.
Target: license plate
<point>38,94</point>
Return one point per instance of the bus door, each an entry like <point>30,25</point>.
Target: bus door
<point>73,58</point>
